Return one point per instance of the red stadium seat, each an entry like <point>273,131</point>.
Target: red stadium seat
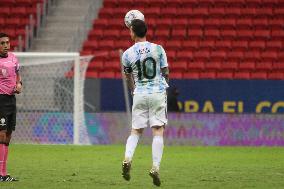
<point>92,74</point>
<point>174,3</point>
<point>176,75</point>
<point>196,65</point>
<point>100,23</point>
<point>171,55</point>
<point>233,12</point>
<point>228,34</point>
<point>252,55</point>
<point>116,24</point>
<point>191,75</point>
<point>269,55</point>
<point>224,75</point>
<point>110,34</point>
<point>202,55</point>
<point>190,44</point>
<point>228,23</point>
<point>180,22</point>
<point>168,12</point>
<point>248,12</point>
<point>275,75</point>
<point>106,44</point>
<point>274,45</point>
<point>263,66</point>
<point>235,55</point>
<point>95,34</point>
<point>242,75</point>
<point>107,74</point>
<point>207,44</point>
<point>260,23</point>
<point>184,55</point>
<point>5,11</point>
<point>90,45</point>
<point>179,34</point>
<point>247,65</point>
<point>218,12</point>
<point>2,22</point>
<point>230,65</point>
<point>275,23</point>
<point>152,12</point>
<point>122,44</point>
<point>112,65</point>
<point>195,33</point>
<point>213,65</point>
<point>240,44</point>
<point>258,45</point>
<point>126,3</point>
<point>194,22</point>
<point>178,66</point>
<point>208,75</point>
<point>173,45</point>
<point>258,75</point>
<point>245,23</point>
<point>110,3</point>
<point>262,34</point>
<point>218,55</point>
<point>162,34</point>
<point>212,23</point>
<point>277,34</point>
<point>96,65</point>
<point>163,23</point>
<point>223,44</point>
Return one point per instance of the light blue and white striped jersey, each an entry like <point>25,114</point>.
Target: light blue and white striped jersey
<point>146,60</point>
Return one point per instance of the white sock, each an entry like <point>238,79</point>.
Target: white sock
<point>131,144</point>
<point>157,150</point>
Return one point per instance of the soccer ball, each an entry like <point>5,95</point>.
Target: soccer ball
<point>131,15</point>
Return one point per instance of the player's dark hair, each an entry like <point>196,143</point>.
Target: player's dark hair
<point>3,35</point>
<point>139,27</point>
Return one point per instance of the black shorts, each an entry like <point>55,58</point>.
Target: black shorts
<point>8,112</point>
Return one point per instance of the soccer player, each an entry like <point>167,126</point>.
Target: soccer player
<point>10,83</point>
<point>146,71</point>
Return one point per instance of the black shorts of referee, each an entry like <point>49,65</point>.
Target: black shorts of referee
<point>8,112</point>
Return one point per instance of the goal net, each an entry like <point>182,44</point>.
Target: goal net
<point>51,105</point>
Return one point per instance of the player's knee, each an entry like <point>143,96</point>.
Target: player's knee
<point>158,130</point>
<point>137,131</point>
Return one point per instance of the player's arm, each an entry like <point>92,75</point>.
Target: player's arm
<point>19,83</point>
<point>165,73</point>
<point>164,65</point>
<point>129,79</point>
<point>127,69</point>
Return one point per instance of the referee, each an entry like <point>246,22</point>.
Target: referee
<point>10,84</point>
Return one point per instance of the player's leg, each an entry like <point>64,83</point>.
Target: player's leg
<point>3,171</point>
<point>157,153</point>
<point>131,145</point>
<point>158,120</point>
<point>139,122</point>
<point>11,121</point>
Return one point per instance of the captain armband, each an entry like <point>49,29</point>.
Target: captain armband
<point>127,70</point>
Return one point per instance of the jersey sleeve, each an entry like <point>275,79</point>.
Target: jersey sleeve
<point>163,58</point>
<point>126,64</point>
<point>16,62</point>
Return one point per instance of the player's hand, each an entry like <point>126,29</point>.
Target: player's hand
<point>18,88</point>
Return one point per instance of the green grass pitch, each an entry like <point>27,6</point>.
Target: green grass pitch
<point>84,167</point>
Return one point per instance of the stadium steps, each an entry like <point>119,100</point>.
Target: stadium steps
<point>62,26</point>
